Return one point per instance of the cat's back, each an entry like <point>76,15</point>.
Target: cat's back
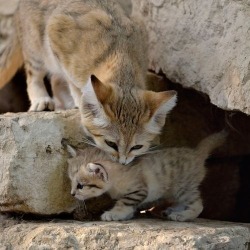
<point>171,164</point>
<point>103,23</point>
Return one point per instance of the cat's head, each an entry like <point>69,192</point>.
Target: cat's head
<point>88,179</point>
<point>123,122</point>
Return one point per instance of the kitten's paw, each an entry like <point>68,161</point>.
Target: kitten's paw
<point>174,216</point>
<point>114,216</point>
<point>180,213</point>
<point>42,104</point>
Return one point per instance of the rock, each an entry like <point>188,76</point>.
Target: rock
<point>8,7</point>
<point>135,234</point>
<point>203,45</point>
<point>13,96</point>
<point>126,5</point>
<point>33,165</point>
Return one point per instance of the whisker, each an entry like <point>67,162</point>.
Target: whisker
<point>155,147</point>
<point>142,157</point>
<point>151,152</point>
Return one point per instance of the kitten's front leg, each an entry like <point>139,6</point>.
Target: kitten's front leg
<point>119,212</point>
<point>125,207</point>
<point>38,95</point>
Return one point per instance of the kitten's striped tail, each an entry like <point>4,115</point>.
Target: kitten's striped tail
<point>11,58</point>
<point>207,145</point>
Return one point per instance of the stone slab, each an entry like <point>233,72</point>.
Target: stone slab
<point>33,164</point>
<point>135,234</point>
<point>203,45</point>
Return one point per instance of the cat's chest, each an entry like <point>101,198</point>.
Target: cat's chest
<point>50,61</point>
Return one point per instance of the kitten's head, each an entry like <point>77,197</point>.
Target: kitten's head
<point>88,179</point>
<point>123,122</point>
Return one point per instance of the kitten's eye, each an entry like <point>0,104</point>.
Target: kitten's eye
<point>136,147</point>
<point>79,186</point>
<point>112,145</point>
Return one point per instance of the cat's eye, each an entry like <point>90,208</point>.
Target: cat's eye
<point>79,186</point>
<point>136,147</point>
<point>112,145</point>
<point>93,186</point>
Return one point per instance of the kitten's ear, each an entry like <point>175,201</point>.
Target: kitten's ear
<point>98,170</point>
<point>160,104</point>
<point>71,151</point>
<point>95,93</point>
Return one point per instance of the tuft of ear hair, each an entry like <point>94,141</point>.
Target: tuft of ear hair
<point>160,104</point>
<point>98,170</point>
<point>97,90</point>
<point>103,92</point>
<point>94,94</point>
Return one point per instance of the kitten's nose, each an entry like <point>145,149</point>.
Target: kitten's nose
<point>73,194</point>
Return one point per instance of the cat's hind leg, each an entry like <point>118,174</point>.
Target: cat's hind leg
<point>183,212</point>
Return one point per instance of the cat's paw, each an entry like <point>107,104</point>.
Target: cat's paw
<point>42,104</point>
<point>115,216</point>
<point>180,213</point>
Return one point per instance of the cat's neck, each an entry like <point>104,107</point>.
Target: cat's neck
<point>120,70</point>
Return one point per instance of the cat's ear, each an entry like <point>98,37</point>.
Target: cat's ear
<point>102,91</point>
<point>95,94</point>
<point>98,170</point>
<point>160,104</point>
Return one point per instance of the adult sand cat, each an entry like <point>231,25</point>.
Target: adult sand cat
<point>75,39</point>
<point>174,174</point>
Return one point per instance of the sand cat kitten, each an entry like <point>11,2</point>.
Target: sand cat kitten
<point>173,174</point>
<point>75,39</point>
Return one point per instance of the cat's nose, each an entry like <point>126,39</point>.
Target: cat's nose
<point>73,194</point>
<point>122,160</point>
<point>125,160</point>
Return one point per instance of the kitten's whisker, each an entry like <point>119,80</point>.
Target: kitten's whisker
<point>151,152</point>
<point>155,147</point>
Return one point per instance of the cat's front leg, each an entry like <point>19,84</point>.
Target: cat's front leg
<point>119,212</point>
<point>38,95</point>
<point>76,94</point>
<point>61,93</point>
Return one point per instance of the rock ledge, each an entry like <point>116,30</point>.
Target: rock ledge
<point>135,234</point>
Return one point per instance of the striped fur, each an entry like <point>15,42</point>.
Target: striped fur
<point>173,174</point>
